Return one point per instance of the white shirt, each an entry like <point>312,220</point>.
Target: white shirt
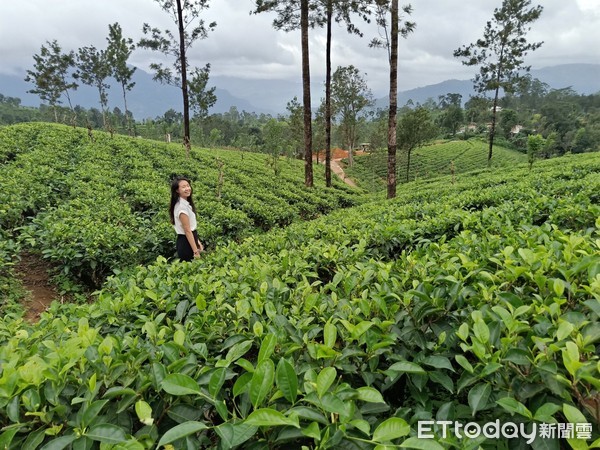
<point>183,207</point>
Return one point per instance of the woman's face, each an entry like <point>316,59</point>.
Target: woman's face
<point>184,190</point>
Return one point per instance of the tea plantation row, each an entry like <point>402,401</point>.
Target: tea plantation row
<point>370,170</point>
<point>471,302</point>
<point>96,204</point>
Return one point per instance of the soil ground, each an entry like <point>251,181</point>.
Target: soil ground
<point>337,155</point>
<point>33,273</point>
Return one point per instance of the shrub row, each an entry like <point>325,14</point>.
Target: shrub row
<point>475,303</point>
<point>98,204</point>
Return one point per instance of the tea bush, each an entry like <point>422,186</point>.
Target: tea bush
<point>477,301</point>
<point>431,161</point>
<point>96,205</point>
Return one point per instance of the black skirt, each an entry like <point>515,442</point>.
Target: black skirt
<point>184,251</point>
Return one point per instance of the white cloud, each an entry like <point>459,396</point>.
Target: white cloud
<point>247,46</point>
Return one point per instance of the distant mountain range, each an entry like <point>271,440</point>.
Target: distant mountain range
<point>582,78</point>
<point>149,99</point>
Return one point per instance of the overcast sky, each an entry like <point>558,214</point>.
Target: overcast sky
<point>247,46</point>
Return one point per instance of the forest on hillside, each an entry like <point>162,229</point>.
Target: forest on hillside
<point>568,120</point>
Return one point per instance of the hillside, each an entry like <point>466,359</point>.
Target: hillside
<point>477,301</point>
<point>438,159</point>
<point>98,205</point>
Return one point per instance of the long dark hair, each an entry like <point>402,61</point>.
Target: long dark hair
<point>175,197</point>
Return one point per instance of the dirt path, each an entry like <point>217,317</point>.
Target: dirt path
<point>33,273</point>
<point>337,155</point>
<point>336,167</point>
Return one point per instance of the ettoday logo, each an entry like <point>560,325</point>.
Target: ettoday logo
<point>508,430</point>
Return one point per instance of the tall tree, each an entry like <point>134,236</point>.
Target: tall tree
<point>414,129</point>
<point>93,69</point>
<point>390,42</point>
<point>308,169</point>
<point>500,53</point>
<point>350,95</point>
<point>50,75</point>
<point>118,52</point>
<point>184,13</point>
<point>296,125</point>
<point>200,97</point>
<point>452,112</point>
<point>320,13</point>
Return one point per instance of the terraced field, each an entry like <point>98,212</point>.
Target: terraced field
<point>370,170</point>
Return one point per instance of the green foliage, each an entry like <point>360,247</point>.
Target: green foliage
<point>535,144</point>
<point>431,161</point>
<point>350,96</point>
<point>473,302</point>
<point>97,207</point>
<point>49,74</point>
<point>93,69</point>
<point>415,128</point>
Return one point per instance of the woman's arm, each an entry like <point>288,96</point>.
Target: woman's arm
<point>185,223</point>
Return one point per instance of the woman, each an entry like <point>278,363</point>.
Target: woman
<point>183,217</point>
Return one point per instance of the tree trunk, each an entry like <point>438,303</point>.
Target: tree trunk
<point>495,106</point>
<point>328,98</point>
<point>392,143</point>
<point>184,88</point>
<point>129,130</point>
<point>308,172</point>
<point>103,110</point>
<point>493,128</point>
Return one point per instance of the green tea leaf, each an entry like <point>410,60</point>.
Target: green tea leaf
<point>7,437</point>
<point>390,429</point>
<point>216,381</point>
<point>34,440</point>
<point>481,331</point>
<point>332,403</point>
<point>107,433</point>
<point>442,379</point>
<point>464,363</point>
<point>287,380</point>
<point>478,397</point>
<point>235,434</point>
<point>545,413</point>
<point>514,406</point>
<point>325,379</point>
<point>439,362</point>
<point>406,367</point>
<point>180,431</point>
<point>570,356</point>
<point>564,330</point>
<point>267,347</point>
<point>179,337</point>
<point>59,443</point>
<point>312,431</point>
<point>329,334</point>
<point>369,394</point>
<point>271,418</point>
<point>262,382</point>
<point>180,384</point>
<point>238,350</point>
<point>361,425</point>
<point>490,369</point>
<point>573,415</point>
<point>144,412</point>
<point>91,412</point>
